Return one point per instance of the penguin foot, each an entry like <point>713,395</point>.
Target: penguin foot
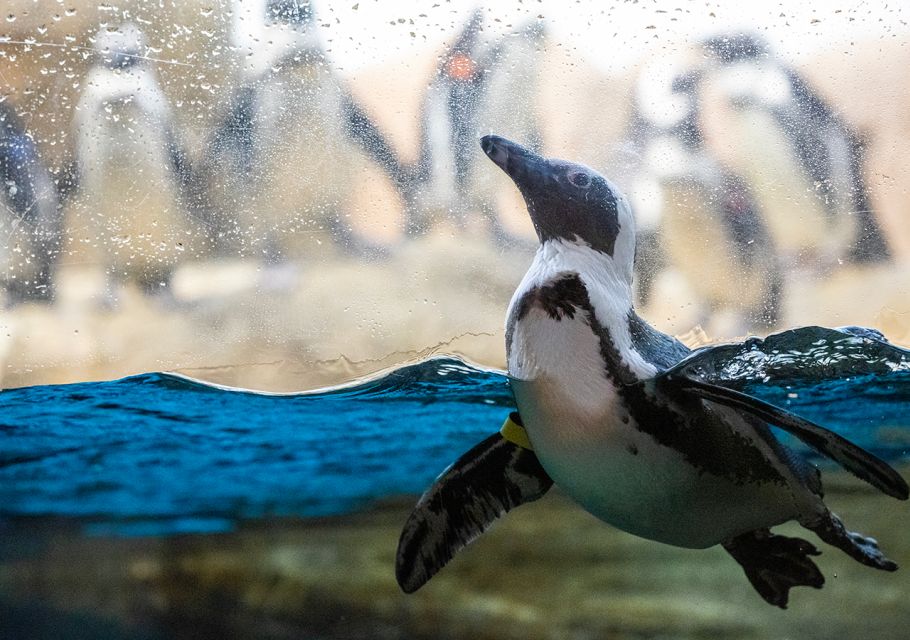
<point>774,564</point>
<point>862,549</point>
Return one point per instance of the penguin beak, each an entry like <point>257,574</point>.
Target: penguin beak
<point>527,169</point>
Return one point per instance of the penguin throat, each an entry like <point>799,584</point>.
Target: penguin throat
<point>609,294</point>
<point>598,270</point>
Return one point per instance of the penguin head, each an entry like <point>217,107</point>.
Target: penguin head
<point>297,13</point>
<point>569,202</point>
<point>121,47</point>
<point>736,47</point>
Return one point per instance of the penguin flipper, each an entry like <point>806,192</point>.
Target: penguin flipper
<point>774,564</point>
<point>366,134</point>
<point>488,481</point>
<point>854,459</point>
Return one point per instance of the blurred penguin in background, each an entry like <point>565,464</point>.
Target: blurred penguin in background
<point>656,109</point>
<point>131,170</point>
<point>479,87</point>
<point>802,161</point>
<point>284,163</point>
<point>31,229</point>
<point>702,220</point>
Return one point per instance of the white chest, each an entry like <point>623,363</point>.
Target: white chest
<point>561,360</point>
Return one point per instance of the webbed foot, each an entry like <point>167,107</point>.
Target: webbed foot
<point>774,564</point>
<point>862,549</point>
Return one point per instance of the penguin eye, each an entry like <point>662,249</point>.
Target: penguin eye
<point>580,179</point>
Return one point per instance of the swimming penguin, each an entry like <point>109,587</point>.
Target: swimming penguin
<point>479,86</point>
<point>638,431</point>
<point>803,162</point>
<point>710,227</point>
<point>292,146</point>
<point>30,216</point>
<point>131,168</point>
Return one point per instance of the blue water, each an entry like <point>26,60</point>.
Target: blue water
<point>157,454</point>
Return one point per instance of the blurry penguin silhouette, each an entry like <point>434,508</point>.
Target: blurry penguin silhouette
<point>705,220</point>
<point>293,146</point>
<point>802,161</point>
<point>656,109</point>
<point>130,168</point>
<point>30,216</point>
<point>478,87</point>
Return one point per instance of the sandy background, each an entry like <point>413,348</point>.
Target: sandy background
<point>446,292</point>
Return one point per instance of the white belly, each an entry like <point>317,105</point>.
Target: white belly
<point>594,451</point>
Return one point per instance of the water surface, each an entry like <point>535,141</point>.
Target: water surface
<point>157,453</point>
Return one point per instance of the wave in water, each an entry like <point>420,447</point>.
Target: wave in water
<point>158,453</point>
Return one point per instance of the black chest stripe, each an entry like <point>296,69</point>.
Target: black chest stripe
<point>563,297</point>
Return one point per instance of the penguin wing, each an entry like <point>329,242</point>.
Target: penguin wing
<point>18,159</point>
<point>235,134</point>
<point>179,159</point>
<point>367,135</point>
<point>486,482</point>
<point>854,459</point>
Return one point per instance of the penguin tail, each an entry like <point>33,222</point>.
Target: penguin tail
<point>488,481</point>
<point>774,564</point>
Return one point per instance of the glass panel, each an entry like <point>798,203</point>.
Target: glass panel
<point>283,196</point>
<point>245,190</point>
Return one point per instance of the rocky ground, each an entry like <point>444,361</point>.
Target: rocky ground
<point>336,318</point>
<point>548,570</point>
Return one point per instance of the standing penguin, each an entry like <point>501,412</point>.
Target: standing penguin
<point>293,146</point>
<point>130,168</point>
<point>613,412</point>
<point>478,87</point>
<point>802,161</point>
<point>709,226</point>
<point>30,216</point>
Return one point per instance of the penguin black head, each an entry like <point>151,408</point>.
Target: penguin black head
<point>567,201</point>
<point>731,48</point>
<point>10,125</point>
<point>298,13</point>
<point>121,47</point>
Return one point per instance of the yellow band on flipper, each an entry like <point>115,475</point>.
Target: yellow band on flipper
<point>515,433</point>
